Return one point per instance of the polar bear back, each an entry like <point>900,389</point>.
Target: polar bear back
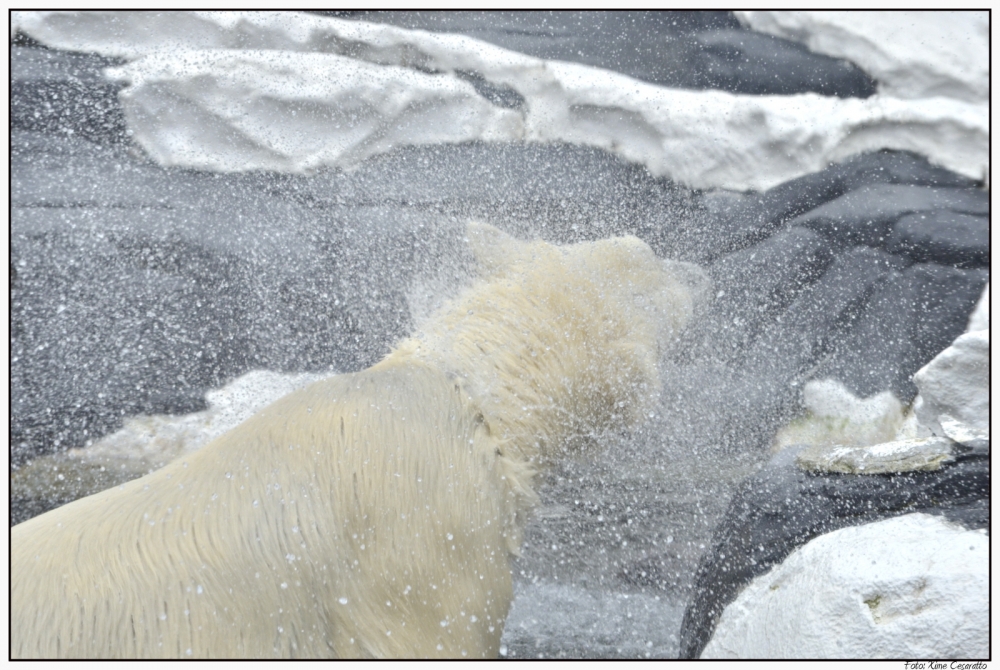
<point>370,514</point>
<point>355,548</point>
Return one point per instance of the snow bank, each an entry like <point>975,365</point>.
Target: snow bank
<point>241,91</point>
<point>232,111</point>
<point>909,587</point>
<point>915,54</point>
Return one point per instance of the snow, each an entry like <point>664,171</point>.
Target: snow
<point>146,443</point>
<point>835,416</point>
<point>914,55</point>
<point>980,319</point>
<point>927,453</point>
<point>955,386</point>
<point>954,398</point>
<point>205,90</point>
<point>248,110</point>
<point>909,587</point>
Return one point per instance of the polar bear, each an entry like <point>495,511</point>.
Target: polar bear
<point>370,514</point>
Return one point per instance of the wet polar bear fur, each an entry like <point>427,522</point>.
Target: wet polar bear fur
<point>370,514</point>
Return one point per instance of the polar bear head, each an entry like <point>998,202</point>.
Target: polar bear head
<point>560,341</point>
<point>637,296</point>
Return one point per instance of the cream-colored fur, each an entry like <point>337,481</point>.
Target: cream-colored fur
<point>369,514</point>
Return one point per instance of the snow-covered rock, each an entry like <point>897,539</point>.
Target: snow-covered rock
<point>703,139</point>
<point>926,453</point>
<point>916,54</point>
<point>914,586</point>
<point>782,507</point>
<point>954,386</point>
<point>893,588</point>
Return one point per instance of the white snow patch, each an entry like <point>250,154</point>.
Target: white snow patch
<point>980,318</point>
<point>957,383</point>
<point>225,91</point>
<point>835,416</point>
<point>927,453</point>
<point>955,387</point>
<point>914,586</point>
<point>149,442</point>
<point>912,54</point>
<point>239,110</point>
